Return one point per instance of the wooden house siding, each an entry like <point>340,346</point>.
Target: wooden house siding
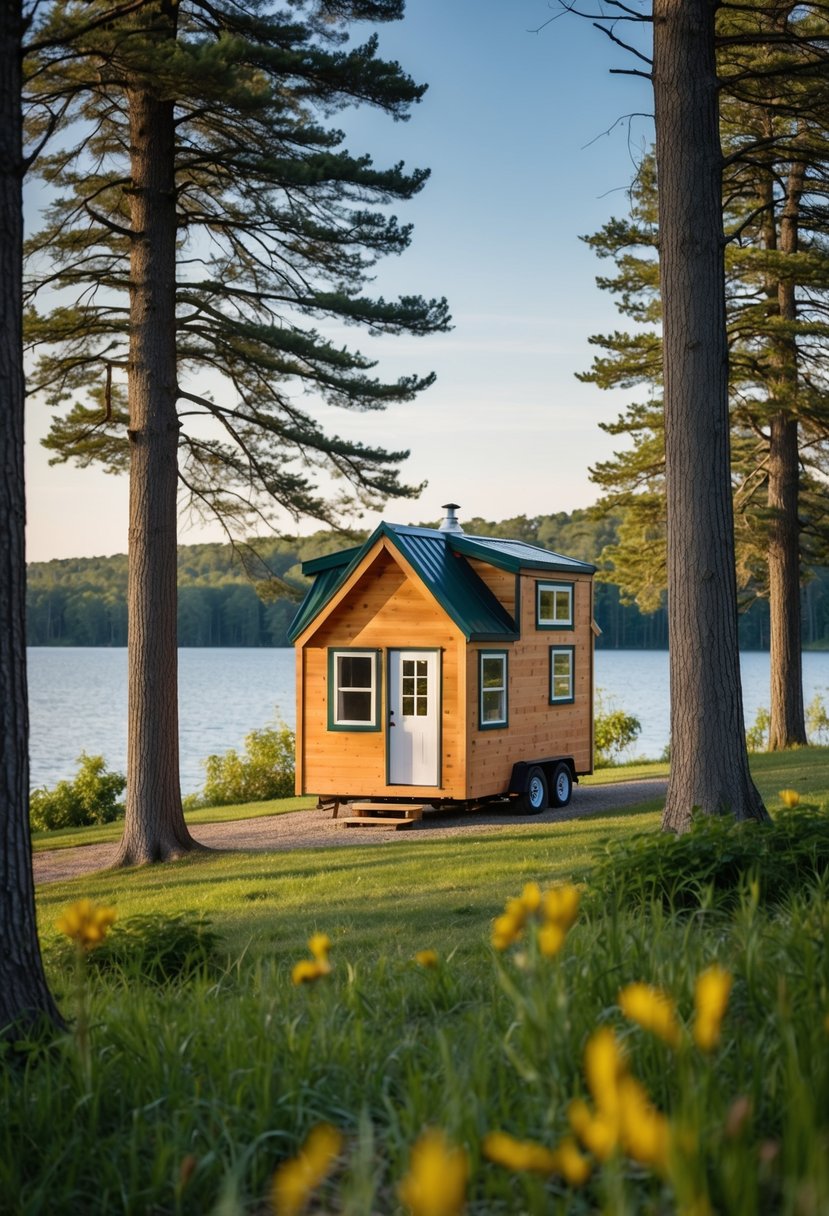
<point>384,607</point>
<point>535,728</point>
<point>502,583</point>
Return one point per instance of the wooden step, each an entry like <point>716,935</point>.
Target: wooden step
<point>391,824</point>
<point>387,810</point>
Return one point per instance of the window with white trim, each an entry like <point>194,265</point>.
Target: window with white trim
<point>561,674</point>
<point>492,683</point>
<point>353,690</point>
<point>554,605</point>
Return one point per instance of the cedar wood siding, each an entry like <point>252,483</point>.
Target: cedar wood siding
<point>385,606</point>
<point>535,728</point>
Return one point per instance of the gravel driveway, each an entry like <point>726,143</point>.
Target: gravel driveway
<point>316,829</point>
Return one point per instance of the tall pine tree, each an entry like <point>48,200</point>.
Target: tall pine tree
<point>206,222</point>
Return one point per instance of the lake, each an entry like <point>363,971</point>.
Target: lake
<point>78,700</point>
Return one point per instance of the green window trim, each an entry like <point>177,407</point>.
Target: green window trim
<point>493,689</point>
<point>554,604</point>
<point>562,675</point>
<point>354,691</point>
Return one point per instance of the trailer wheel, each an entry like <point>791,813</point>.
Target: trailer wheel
<point>534,799</point>
<point>562,785</point>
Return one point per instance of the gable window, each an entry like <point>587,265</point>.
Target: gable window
<point>492,683</point>
<point>561,674</point>
<point>353,690</point>
<point>554,605</point>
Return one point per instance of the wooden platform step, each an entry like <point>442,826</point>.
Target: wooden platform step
<point>390,815</point>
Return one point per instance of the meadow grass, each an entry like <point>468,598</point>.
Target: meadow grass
<point>196,1089</point>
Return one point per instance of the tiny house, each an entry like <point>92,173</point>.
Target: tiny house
<point>436,666</point>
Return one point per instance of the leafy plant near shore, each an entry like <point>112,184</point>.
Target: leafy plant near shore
<point>613,730</point>
<point>90,797</point>
<point>264,770</point>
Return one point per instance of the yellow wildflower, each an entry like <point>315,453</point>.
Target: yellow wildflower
<point>506,929</point>
<point>514,1154</point>
<point>426,958</point>
<point>711,994</point>
<point>598,1133</point>
<point>651,1009</point>
<point>560,905</point>
<point>531,897</point>
<point>87,923</point>
<point>644,1130</point>
<point>790,798</point>
<point>550,939</point>
<point>436,1182</point>
<point>294,1181</point>
<point>604,1066</point>
<point>309,969</point>
<point>570,1163</point>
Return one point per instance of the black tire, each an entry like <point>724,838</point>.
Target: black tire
<point>562,786</point>
<point>535,797</point>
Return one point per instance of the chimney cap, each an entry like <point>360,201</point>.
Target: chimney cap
<point>450,520</point>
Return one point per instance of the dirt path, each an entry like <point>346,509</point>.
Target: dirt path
<point>316,829</point>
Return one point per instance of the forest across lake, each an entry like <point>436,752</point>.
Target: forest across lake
<point>246,595</point>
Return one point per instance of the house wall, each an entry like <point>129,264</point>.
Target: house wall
<point>386,609</point>
<point>535,728</point>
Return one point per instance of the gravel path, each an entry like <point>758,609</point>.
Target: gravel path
<point>316,829</point>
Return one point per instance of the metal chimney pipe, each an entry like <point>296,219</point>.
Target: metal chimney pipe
<point>450,520</point>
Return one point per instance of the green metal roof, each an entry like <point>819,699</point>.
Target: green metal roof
<point>440,561</point>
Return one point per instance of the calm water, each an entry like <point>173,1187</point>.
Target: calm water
<point>78,700</point>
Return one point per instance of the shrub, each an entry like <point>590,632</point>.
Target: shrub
<point>817,720</point>
<point>264,770</point>
<point>757,736</point>
<point>92,797</point>
<point>715,862</point>
<point>613,731</point>
<point>154,949</point>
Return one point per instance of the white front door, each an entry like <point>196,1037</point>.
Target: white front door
<point>414,717</point>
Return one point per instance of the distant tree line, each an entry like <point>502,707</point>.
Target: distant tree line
<point>247,596</point>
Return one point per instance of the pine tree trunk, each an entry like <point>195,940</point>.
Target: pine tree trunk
<point>154,828</point>
<point>709,762</point>
<point>24,996</point>
<point>787,727</point>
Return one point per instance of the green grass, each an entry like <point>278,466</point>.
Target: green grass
<point>193,1092</point>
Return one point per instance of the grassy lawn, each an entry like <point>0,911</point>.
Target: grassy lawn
<point>184,1095</point>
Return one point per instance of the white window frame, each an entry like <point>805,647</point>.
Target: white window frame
<point>570,652</point>
<point>567,589</point>
<point>493,723</point>
<point>335,722</point>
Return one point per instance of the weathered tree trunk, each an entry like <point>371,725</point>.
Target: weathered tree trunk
<point>154,828</point>
<point>24,996</point>
<point>709,762</point>
<point>788,723</point>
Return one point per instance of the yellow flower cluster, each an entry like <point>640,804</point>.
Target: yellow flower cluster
<point>438,1173</point>
<point>87,923</point>
<point>528,1156</point>
<point>711,993</point>
<point>309,969</point>
<point>790,798</point>
<point>653,1010</point>
<point>623,1116</point>
<point>296,1179</point>
<point>555,911</point>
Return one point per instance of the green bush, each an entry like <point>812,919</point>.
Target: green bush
<point>154,949</point>
<point>613,731</point>
<point>757,736</point>
<point>92,797</point>
<point>715,862</point>
<point>817,720</point>
<point>264,770</point>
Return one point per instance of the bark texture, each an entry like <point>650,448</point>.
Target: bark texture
<point>24,996</point>
<point>154,828</point>
<point>787,727</point>
<point>709,762</point>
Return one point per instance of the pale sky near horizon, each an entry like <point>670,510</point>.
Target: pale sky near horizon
<point>526,139</point>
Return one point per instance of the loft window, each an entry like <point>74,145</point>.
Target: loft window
<point>492,683</point>
<point>353,690</point>
<point>561,674</point>
<point>554,605</point>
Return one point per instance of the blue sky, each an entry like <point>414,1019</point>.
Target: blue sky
<point>529,147</point>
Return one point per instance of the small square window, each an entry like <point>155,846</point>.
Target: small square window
<point>353,690</point>
<point>561,674</point>
<point>492,681</point>
<point>554,605</point>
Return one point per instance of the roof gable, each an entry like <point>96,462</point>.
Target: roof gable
<point>439,561</point>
